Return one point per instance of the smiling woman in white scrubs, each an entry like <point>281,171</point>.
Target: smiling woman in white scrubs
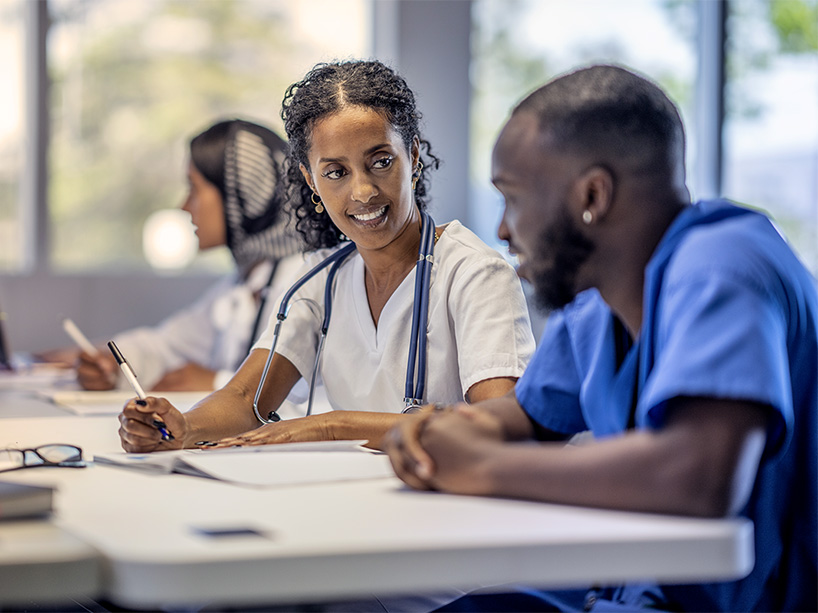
<point>358,171</point>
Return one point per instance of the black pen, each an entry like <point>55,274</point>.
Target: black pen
<point>130,375</point>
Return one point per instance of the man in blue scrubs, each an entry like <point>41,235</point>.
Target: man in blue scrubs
<point>683,336</point>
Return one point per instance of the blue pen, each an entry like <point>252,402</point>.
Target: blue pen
<point>130,375</point>
<point>163,430</point>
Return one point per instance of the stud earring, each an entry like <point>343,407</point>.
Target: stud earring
<point>587,217</point>
<point>316,200</point>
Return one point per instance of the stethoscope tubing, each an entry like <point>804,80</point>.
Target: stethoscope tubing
<point>417,343</point>
<point>328,288</point>
<point>283,311</point>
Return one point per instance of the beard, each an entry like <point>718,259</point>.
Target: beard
<point>562,250</point>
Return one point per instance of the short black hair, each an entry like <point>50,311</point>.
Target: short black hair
<point>328,88</point>
<point>613,113</point>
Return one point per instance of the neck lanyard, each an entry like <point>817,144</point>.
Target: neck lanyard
<point>416,367</point>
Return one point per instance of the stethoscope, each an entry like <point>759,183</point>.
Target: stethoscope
<point>416,366</point>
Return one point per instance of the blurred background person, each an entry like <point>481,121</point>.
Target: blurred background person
<point>233,200</point>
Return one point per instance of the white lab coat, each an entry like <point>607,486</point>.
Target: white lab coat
<point>214,331</point>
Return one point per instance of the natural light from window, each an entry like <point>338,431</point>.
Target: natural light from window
<point>12,122</point>
<point>133,81</point>
<point>771,127</point>
<point>519,44</point>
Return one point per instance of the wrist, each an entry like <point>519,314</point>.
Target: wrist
<point>193,435</point>
<point>490,470</point>
<point>331,425</point>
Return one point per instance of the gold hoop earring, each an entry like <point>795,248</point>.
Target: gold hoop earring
<point>316,200</point>
<point>416,175</point>
<point>587,217</point>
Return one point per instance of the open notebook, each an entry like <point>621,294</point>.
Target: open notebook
<point>264,465</point>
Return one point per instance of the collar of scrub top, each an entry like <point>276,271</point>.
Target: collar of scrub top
<point>420,310</point>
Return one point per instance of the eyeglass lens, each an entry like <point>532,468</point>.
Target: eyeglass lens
<point>44,454</point>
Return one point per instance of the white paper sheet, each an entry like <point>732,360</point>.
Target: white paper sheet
<point>268,465</point>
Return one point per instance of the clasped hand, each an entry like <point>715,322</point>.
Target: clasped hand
<point>450,450</point>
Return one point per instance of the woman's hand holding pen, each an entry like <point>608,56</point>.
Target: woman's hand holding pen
<point>96,372</point>
<point>142,421</point>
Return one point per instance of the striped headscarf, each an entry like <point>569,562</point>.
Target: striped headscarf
<point>245,162</point>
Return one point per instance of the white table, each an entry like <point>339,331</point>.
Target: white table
<point>40,560</point>
<point>347,540</point>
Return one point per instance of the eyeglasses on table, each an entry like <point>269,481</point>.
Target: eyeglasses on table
<point>67,456</point>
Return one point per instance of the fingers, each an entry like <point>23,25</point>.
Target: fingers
<point>136,437</point>
<point>96,372</point>
<point>243,440</point>
<point>224,443</point>
<point>138,430</point>
<point>135,434</point>
<point>416,456</point>
<point>468,410</point>
<point>409,460</point>
<point>265,435</point>
<point>299,430</point>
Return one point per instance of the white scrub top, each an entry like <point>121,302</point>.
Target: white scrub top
<point>478,328</point>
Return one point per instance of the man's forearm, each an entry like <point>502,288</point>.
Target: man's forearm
<point>689,468</point>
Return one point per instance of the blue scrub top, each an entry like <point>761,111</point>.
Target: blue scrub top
<point>729,312</point>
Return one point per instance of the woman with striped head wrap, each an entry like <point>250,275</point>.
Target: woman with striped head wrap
<point>234,199</point>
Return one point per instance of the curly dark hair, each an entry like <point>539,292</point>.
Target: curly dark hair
<point>330,87</point>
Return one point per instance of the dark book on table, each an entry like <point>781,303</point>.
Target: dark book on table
<point>20,500</point>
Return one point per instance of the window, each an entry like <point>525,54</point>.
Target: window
<point>518,45</point>
<point>131,82</point>
<point>771,123</point>
<point>12,123</point>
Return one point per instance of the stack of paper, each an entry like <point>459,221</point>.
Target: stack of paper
<point>37,378</point>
